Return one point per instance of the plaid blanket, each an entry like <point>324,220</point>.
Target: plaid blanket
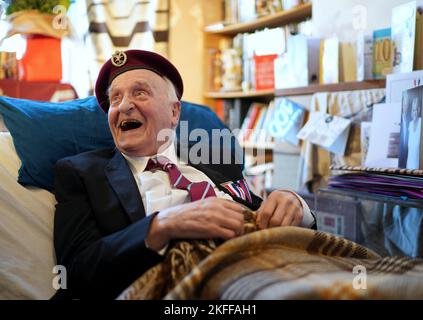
<point>279,263</point>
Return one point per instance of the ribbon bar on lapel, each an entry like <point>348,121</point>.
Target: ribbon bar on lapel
<point>238,189</point>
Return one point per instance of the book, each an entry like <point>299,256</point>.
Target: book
<point>287,120</point>
<point>220,109</point>
<point>242,132</point>
<point>255,115</point>
<point>259,126</point>
<point>264,72</point>
<point>383,53</point>
<point>249,122</point>
<point>235,115</point>
<point>265,136</point>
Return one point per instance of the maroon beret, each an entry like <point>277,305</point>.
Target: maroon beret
<point>123,61</point>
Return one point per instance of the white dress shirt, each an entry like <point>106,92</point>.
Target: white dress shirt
<point>157,192</point>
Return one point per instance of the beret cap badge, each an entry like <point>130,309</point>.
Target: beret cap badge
<point>118,59</point>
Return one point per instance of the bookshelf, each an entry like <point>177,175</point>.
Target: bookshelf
<point>236,104</point>
<point>217,33</point>
<point>278,19</point>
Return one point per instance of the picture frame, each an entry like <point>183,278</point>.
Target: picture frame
<point>410,149</point>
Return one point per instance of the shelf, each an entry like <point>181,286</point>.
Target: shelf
<point>280,146</point>
<point>278,19</point>
<point>300,91</point>
<point>345,86</point>
<point>239,94</point>
<point>254,146</point>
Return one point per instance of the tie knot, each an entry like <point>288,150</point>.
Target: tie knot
<point>159,162</point>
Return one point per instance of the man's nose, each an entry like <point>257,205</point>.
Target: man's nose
<point>126,105</point>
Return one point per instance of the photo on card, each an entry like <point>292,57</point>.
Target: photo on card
<point>410,134</point>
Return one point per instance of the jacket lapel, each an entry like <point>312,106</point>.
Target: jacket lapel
<point>123,183</point>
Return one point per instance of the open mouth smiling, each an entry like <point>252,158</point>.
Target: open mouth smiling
<point>130,124</point>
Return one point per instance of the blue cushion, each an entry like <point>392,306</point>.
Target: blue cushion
<point>200,117</point>
<point>44,132</point>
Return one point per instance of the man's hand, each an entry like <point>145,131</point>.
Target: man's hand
<point>203,219</point>
<point>281,208</point>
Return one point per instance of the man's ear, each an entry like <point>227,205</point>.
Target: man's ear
<point>176,113</point>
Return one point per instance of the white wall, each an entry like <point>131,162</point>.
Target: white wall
<point>342,17</point>
<point>186,46</point>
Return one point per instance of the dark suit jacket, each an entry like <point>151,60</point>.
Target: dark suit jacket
<point>100,223</point>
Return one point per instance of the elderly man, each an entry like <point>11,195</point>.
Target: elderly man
<point>118,209</point>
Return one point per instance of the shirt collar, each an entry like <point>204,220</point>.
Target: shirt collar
<point>138,164</point>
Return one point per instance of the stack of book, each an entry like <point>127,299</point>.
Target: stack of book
<point>400,183</point>
<point>257,54</point>
<point>252,129</point>
<point>281,119</point>
<point>8,65</point>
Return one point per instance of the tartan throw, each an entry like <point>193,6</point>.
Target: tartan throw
<point>280,263</point>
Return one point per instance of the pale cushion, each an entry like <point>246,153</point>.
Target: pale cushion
<point>2,125</point>
<point>26,232</point>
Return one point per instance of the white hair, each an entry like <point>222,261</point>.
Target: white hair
<point>172,91</point>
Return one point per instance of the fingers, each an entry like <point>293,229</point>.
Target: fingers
<point>294,214</point>
<point>202,230</point>
<point>280,209</point>
<point>265,213</point>
<point>233,223</point>
<point>232,205</point>
<point>219,218</point>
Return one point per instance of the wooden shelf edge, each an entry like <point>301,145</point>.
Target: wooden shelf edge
<point>345,86</point>
<point>254,146</point>
<point>239,94</point>
<point>298,13</point>
<point>300,91</point>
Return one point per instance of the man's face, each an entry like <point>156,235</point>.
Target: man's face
<point>140,107</point>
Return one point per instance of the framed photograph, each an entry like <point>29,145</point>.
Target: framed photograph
<point>410,133</point>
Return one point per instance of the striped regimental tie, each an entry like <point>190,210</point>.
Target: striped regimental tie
<point>197,190</point>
